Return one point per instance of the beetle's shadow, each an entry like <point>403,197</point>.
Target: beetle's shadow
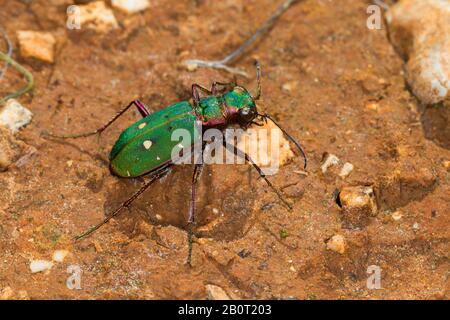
<point>435,123</point>
<point>224,201</point>
<point>94,156</point>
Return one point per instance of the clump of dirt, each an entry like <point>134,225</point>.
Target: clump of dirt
<point>331,82</point>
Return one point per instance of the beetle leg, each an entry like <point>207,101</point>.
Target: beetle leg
<point>245,156</point>
<point>265,116</point>
<point>191,220</point>
<point>225,86</point>
<point>195,95</point>
<point>142,109</point>
<point>157,175</point>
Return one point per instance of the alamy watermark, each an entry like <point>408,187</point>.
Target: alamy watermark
<point>73,17</point>
<point>374,20</point>
<point>74,280</point>
<point>374,280</point>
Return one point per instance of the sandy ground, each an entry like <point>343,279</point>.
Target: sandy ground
<point>346,95</point>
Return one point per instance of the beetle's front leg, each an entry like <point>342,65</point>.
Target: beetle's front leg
<point>156,176</point>
<point>139,105</point>
<point>195,95</point>
<point>245,156</point>
<point>225,86</point>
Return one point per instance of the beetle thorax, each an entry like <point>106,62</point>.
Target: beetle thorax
<point>235,106</point>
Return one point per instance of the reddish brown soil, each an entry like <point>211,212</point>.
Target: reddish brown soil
<point>339,66</point>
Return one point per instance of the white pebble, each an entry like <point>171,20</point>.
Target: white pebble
<point>347,168</point>
<point>40,265</point>
<point>131,6</point>
<point>14,116</point>
<point>59,255</point>
<point>419,30</point>
<point>95,15</point>
<point>397,215</point>
<point>216,293</point>
<point>337,244</point>
<point>330,160</point>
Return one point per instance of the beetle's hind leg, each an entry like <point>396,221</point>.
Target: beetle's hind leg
<point>191,220</point>
<point>156,176</point>
<point>139,105</point>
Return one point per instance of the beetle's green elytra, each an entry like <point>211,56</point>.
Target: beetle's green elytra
<point>146,147</point>
<point>147,144</point>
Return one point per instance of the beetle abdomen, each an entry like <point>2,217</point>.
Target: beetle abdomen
<point>147,144</point>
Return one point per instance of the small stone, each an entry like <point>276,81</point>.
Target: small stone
<point>397,215</point>
<point>292,269</point>
<point>59,255</point>
<point>419,31</point>
<point>347,168</point>
<point>216,293</point>
<point>358,204</point>
<point>191,67</point>
<point>14,116</point>
<point>446,165</point>
<point>337,244</point>
<point>416,226</point>
<point>98,17</point>
<point>40,265</point>
<point>69,163</point>
<point>358,197</point>
<point>10,149</point>
<point>6,293</point>
<point>130,6</point>
<point>290,86</point>
<point>372,106</point>
<point>329,160</point>
<point>37,44</point>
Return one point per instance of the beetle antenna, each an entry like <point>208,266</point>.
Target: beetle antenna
<point>258,80</point>
<point>299,147</point>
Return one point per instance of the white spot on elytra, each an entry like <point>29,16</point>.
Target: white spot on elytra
<point>180,145</point>
<point>142,125</point>
<point>128,173</point>
<point>158,158</point>
<point>147,144</point>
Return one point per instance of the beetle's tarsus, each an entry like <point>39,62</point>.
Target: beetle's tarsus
<point>85,234</point>
<point>245,156</point>
<point>71,136</point>
<point>190,240</point>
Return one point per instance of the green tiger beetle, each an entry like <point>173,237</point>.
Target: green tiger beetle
<point>145,147</point>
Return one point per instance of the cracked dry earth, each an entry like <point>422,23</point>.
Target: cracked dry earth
<point>335,85</point>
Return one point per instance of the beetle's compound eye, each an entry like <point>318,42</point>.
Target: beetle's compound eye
<point>247,114</point>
